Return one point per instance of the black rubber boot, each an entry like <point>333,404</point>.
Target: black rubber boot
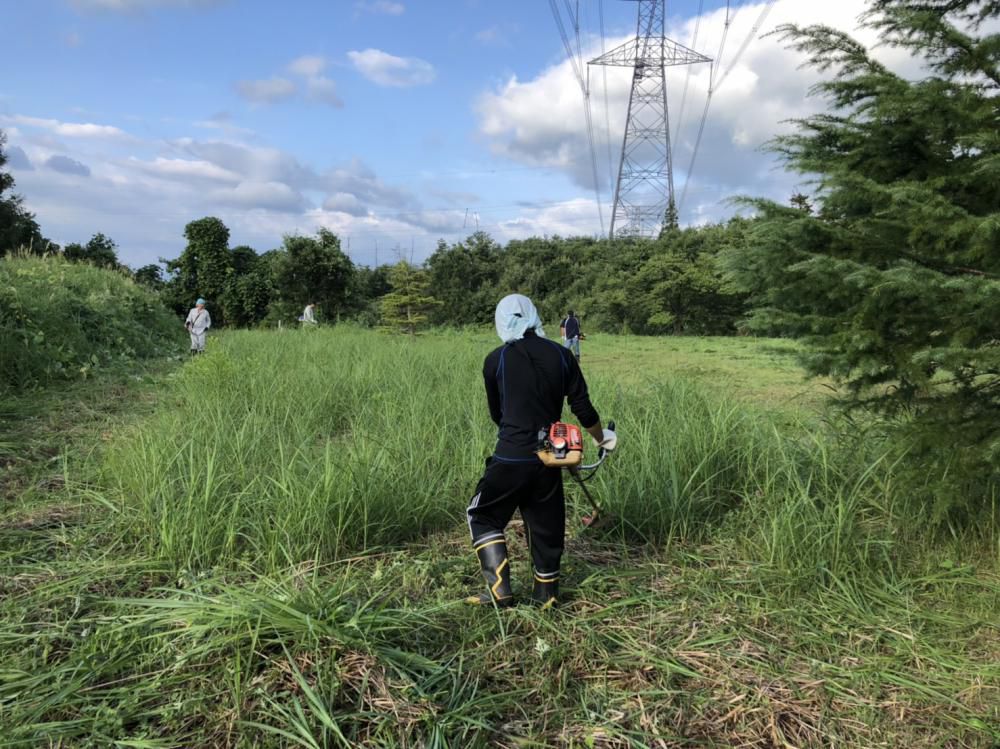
<point>546,590</point>
<point>496,572</point>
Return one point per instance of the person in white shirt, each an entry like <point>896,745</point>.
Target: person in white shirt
<point>198,321</point>
<point>309,314</point>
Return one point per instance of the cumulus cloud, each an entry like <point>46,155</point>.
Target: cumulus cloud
<point>307,65</point>
<point>345,202</point>
<point>66,129</point>
<point>223,121</point>
<point>389,70</point>
<point>185,170</point>
<point>261,193</point>
<point>267,91</point>
<point>381,7</point>
<point>570,218</point>
<point>540,121</point>
<point>358,179</point>
<point>314,85</point>
<point>66,165</point>
<point>265,196</point>
<point>323,90</point>
<point>18,159</point>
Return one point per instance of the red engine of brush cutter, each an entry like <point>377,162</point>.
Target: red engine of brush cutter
<point>562,446</point>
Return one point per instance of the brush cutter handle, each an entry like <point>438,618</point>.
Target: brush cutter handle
<point>602,452</point>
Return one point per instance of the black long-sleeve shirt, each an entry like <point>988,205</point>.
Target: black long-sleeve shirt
<point>526,382</point>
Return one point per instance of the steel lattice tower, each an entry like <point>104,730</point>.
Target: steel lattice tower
<point>645,185</point>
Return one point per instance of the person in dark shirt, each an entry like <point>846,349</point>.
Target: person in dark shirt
<point>569,329</point>
<point>527,380</point>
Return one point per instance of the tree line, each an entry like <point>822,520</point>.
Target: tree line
<point>674,284</point>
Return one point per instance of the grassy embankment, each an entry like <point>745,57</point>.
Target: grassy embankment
<point>62,321</point>
<point>274,556</point>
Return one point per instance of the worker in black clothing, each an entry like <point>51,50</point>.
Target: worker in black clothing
<point>569,329</point>
<point>527,380</point>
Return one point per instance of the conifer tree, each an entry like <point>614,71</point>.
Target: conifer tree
<point>894,279</point>
<point>405,309</point>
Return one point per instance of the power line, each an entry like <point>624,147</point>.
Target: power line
<point>746,42</point>
<point>607,106</point>
<point>687,78</point>
<point>586,94</point>
<point>708,102</point>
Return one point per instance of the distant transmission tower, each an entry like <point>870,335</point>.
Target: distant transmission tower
<point>645,186</point>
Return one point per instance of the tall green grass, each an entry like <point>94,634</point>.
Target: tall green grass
<point>315,445</point>
<point>281,447</point>
<point>63,320</point>
<point>764,585</point>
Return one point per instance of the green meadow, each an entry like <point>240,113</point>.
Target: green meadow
<point>265,546</point>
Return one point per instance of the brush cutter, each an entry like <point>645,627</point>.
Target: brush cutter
<point>562,447</point>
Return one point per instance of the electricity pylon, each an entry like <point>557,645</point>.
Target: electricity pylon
<point>645,185</point>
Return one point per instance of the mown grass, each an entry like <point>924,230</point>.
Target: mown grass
<point>765,585</point>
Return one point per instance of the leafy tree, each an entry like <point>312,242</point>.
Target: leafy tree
<point>465,274</point>
<point>150,276</point>
<point>405,309</point>
<point>802,202</point>
<point>100,251</point>
<point>313,269</point>
<point>18,228</point>
<point>203,268</point>
<point>249,288</point>
<point>894,281</point>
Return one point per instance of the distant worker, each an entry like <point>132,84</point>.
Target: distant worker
<point>569,329</point>
<point>309,315</point>
<point>527,379</point>
<point>198,321</point>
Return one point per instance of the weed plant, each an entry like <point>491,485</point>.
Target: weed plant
<point>61,320</point>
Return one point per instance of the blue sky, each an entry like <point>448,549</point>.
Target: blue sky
<point>396,122</point>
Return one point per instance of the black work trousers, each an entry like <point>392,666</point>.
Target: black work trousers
<point>534,489</point>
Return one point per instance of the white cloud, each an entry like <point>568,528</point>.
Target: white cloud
<point>323,90</point>
<point>223,121</point>
<point>540,121</point>
<point>345,202</point>
<point>267,91</point>
<point>66,129</point>
<point>389,70</point>
<point>264,196</point>
<point>382,7</point>
<point>185,169</point>
<point>307,65</point>
<point>570,218</point>
<point>261,193</point>
<point>314,86</point>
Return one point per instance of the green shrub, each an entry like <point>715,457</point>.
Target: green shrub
<point>62,320</point>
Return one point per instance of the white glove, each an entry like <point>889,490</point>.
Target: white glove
<point>610,441</point>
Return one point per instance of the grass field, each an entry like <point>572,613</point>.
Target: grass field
<point>266,546</point>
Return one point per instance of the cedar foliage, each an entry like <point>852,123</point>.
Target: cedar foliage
<point>894,279</point>
<point>406,307</point>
